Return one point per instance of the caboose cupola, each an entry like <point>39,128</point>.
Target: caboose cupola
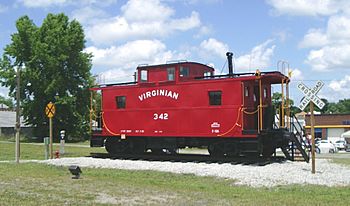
<point>172,73</point>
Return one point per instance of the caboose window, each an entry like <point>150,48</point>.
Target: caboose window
<point>184,71</point>
<point>171,74</point>
<point>215,98</point>
<point>144,75</point>
<point>207,74</point>
<point>121,102</point>
<point>246,91</point>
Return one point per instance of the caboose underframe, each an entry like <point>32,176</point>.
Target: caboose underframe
<point>263,144</point>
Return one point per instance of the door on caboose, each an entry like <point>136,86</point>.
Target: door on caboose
<point>251,101</point>
<point>268,110</point>
<point>250,108</point>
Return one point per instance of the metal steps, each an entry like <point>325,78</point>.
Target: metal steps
<point>298,150</point>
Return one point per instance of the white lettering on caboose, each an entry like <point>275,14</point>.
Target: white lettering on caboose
<point>159,92</point>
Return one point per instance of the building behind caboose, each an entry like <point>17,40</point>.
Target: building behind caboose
<point>328,126</point>
<point>8,122</point>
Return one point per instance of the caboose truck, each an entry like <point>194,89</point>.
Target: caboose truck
<point>183,104</point>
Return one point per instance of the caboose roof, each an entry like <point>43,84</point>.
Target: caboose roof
<point>155,66</point>
<point>275,77</point>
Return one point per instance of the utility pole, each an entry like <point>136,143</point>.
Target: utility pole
<point>18,120</point>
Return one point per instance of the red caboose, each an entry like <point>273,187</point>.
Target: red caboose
<point>184,104</point>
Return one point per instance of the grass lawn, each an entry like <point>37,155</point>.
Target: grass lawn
<point>37,150</point>
<point>342,161</point>
<point>39,184</point>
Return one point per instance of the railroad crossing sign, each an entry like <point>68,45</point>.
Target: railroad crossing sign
<point>50,110</point>
<point>312,98</point>
<point>311,95</point>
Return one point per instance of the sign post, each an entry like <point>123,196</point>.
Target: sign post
<point>310,96</point>
<point>312,120</point>
<point>50,112</point>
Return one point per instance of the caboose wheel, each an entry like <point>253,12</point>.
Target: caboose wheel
<point>138,146</point>
<point>114,145</point>
<point>172,151</point>
<point>268,151</point>
<point>157,151</point>
<point>215,150</point>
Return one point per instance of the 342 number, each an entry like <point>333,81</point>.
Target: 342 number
<point>161,116</point>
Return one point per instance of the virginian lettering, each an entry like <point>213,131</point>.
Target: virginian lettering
<point>159,92</point>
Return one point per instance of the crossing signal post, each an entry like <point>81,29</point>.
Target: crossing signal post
<point>50,112</point>
<point>310,96</point>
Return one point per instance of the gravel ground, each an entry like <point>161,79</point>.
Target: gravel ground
<point>327,173</point>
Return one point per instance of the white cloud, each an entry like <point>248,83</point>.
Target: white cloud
<point>43,3</point>
<point>314,38</point>
<point>87,14</point>
<point>281,35</point>
<point>131,53</point>
<point>115,75</point>
<point>307,7</point>
<point>204,31</point>
<point>297,75</point>
<point>187,23</point>
<point>331,46</point>
<point>338,29</point>
<point>337,85</point>
<point>212,47</point>
<point>122,61</point>
<point>52,3</point>
<point>340,89</point>
<point>146,11</point>
<point>153,19</point>
<point>259,57</point>
<point>330,57</point>
<point>202,1</point>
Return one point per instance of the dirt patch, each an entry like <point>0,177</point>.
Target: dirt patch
<point>140,199</point>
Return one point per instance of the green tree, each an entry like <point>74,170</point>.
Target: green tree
<point>6,101</point>
<point>277,102</point>
<point>53,68</point>
<point>342,107</point>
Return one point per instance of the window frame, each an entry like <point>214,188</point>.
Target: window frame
<point>171,73</point>
<point>184,71</point>
<point>144,75</point>
<point>120,102</point>
<point>215,98</point>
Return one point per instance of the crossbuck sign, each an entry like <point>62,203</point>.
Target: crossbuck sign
<point>311,95</point>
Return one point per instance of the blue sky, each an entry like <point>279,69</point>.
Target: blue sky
<point>312,35</point>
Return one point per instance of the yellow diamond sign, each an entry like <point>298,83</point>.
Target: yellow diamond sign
<point>50,110</point>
